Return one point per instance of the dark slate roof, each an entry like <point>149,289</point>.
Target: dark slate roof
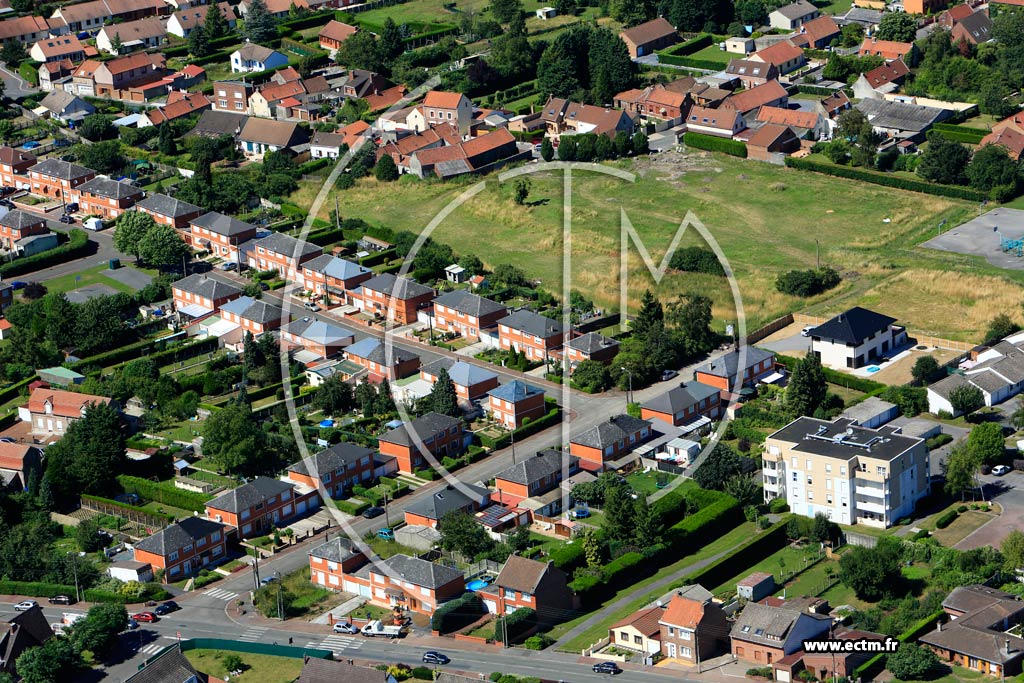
<point>222,225</point>
<point>426,426</point>
<point>286,245</point>
<point>976,597</point>
<point>111,189</point>
<point>167,206</point>
<point>514,391</point>
<point>843,440</point>
<point>340,268</point>
<point>336,549</point>
<point>372,349</point>
<point>25,630</point>
<point>727,364</point>
<point>175,536</point>
<point>464,301</point>
<point>247,495</point>
<point>446,500</point>
<point>795,10</point>
<point>768,625</point>
<point>397,287</point>
<point>532,323</point>
<point>591,342</point>
<point>330,459</point>
<point>206,287</point>
<point>612,430</point>
<point>420,572</point>
<point>64,170</point>
<point>19,220</point>
<point>213,124</point>
<point>171,666</point>
<point>901,115</point>
<point>253,309</point>
<point>433,368</point>
<point>852,327</point>
<point>315,670</point>
<point>544,464</point>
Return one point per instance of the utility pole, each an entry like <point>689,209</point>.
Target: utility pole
<point>280,610</point>
<point>817,256</point>
<point>629,393</point>
<point>256,570</point>
<point>74,569</point>
<point>512,435</point>
<point>387,520</point>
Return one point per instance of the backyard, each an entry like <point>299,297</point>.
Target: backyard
<point>256,668</point>
<point>92,276</point>
<point>866,232</point>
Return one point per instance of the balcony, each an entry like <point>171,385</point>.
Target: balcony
<point>870,506</point>
<point>771,484</point>
<point>870,489</point>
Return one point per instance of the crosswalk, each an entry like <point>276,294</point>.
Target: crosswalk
<point>151,649</point>
<point>336,642</point>
<point>253,634</point>
<point>221,594</point>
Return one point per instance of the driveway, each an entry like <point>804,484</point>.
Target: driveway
<point>788,341</point>
<point>1008,491</point>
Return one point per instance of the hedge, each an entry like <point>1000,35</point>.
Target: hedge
<point>35,589</point>
<point>378,258</point>
<point>887,180</point>
<point>567,557</point>
<point>836,377</point>
<point>874,665</point>
<point>690,46</point>
<point>457,613</point>
<point>815,90</point>
<point>946,519</point>
<point>127,507</point>
<point>691,62</point>
<point>707,523</point>
<point>715,144</point>
<point>14,391</point>
<point>532,427</point>
<point>350,507</point>
<point>167,494</point>
<point>952,131</point>
<point>138,349</point>
<point>76,247</point>
<point>755,550</point>
<point>511,626</point>
<point>182,50</point>
<point>29,71</point>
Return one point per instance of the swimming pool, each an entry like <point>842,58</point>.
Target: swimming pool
<point>872,369</point>
<point>476,584</point>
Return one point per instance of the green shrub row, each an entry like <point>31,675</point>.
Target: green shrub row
<point>690,46</point>
<point>352,507</point>
<point>875,665</point>
<point>132,351</point>
<point>14,391</point>
<point>219,43</point>
<point>836,377</point>
<point>165,493</point>
<point>707,523</point>
<point>76,247</point>
<point>946,519</point>
<point>512,626</point>
<point>568,556</point>
<point>715,144</point>
<point>960,133</point>
<point>887,180</point>
<point>748,554</point>
<point>128,508</point>
<point>378,257</point>
<point>35,589</point>
<point>691,62</point>
<point>457,613</point>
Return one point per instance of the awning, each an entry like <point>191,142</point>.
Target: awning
<point>695,425</point>
<point>195,310</point>
<point>773,378</point>
<point>219,328</point>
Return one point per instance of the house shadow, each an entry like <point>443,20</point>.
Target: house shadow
<point>129,645</point>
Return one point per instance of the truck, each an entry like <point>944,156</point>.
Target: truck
<point>379,628</point>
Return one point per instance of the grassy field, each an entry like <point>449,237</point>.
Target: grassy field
<point>712,53</point>
<point>92,276</point>
<point>767,220</point>
<point>260,668</point>
<point>647,482</point>
<point>792,560</point>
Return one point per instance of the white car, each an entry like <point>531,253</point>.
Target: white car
<point>25,605</point>
<point>806,332</point>
<point>1000,470</point>
<point>345,627</point>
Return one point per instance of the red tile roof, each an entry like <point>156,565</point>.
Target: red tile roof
<point>959,12</point>
<point>386,98</point>
<point>12,455</point>
<point>280,91</point>
<point>645,621</point>
<point>787,117</point>
<point>63,403</point>
<point>758,96</point>
<point>683,612</point>
<point>887,73</point>
<point>778,54</point>
<point>887,49</point>
<point>353,131</point>
<point>336,30</point>
<point>817,29</point>
<point>178,105</point>
<point>134,61</point>
<point>442,100</point>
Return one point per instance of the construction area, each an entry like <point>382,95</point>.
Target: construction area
<point>997,237</point>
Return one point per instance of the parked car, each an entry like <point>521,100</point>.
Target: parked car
<point>610,668</point>
<point>344,627</point>
<point>370,513</point>
<point>66,219</point>
<point>166,608</point>
<point>1000,470</point>
<point>25,605</point>
<point>71,208</point>
<point>6,190</point>
<point>267,580</point>
<point>264,286</point>
<point>229,266</point>
<point>60,600</point>
<point>668,374</point>
<point>386,534</point>
<point>146,617</point>
<point>434,657</point>
<point>806,332</point>
<point>310,306</point>
<point>132,625</point>
<point>19,284</point>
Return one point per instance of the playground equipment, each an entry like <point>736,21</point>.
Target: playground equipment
<point>1007,245</point>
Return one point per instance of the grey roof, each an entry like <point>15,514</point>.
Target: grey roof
<point>176,536</point>
<point>163,205</point>
<point>19,220</point>
<point>767,625</point>
<point>988,382</point>
<point>727,364</point>
<point>979,632</point>
<point>442,363</point>
<point>466,374</point>
<point>679,398</point>
<point>372,349</point>
<point>591,342</point>
<point>978,25</point>
<point>25,630</point>
<point>315,670</point>
<point>247,495</point>
<point>170,666</point>
<point>253,309</point>
<point>206,287</point>
<point>422,573</point>
<point>425,427</point>
<point>59,101</point>
<point>867,409</point>
<point>397,287</point>
<point>853,326</point>
<point>336,549</point>
<point>55,168</point>
<point>612,430</point>
<point>335,267</point>
<point>514,391</point>
<point>112,189</point>
<point>800,8</point>
<point>843,440</point>
<point>332,140</point>
<point>901,115</point>
<point>544,464</point>
<point>945,386</point>
<point>286,245</point>
<point>221,224</point>
<point>447,500</point>
<point>532,323</point>
<point>464,301</point>
<point>254,52</point>
<point>976,597</point>
<point>861,15</point>
<point>318,331</point>
<point>330,459</point>
<point>213,124</point>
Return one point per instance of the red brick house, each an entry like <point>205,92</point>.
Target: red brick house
<point>52,411</point>
<point>591,346</point>
<point>232,96</point>
<point>513,402</point>
<point>691,630</point>
<point>108,198</point>
<point>371,353</point>
<point>198,295</point>
<point>770,94</point>
<point>330,561</point>
<point>524,583</point>
<point>334,33</point>
<point>763,634</point>
<point>752,73</point>
<point>253,315</point>
<point>432,509</point>
<point>955,14</point>
<point>826,665</point>
<point>609,440</point>
<point>183,548</point>
<point>221,235</point>
<point>783,55</point>
<point>283,253</point>
<point>464,313</point>
<point>257,508</point>
<point>536,475</point>
<point>654,102</point>
<point>723,373</point>
<point>471,381</point>
<point>649,37</point>
<point>394,298</point>
<point>530,333</point>
<point>887,50</point>
<point>684,404</point>
<point>322,338</point>
<point>340,467</point>
<point>817,33</point>
<point>173,212</point>
<point>17,224</point>
<point>59,179</point>
<point>772,139</point>
<point>14,166</point>
<point>440,435</point>
<point>334,277</point>
<point>17,463</point>
<point>977,637</point>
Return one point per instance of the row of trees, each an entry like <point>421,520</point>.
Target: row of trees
<point>990,168</point>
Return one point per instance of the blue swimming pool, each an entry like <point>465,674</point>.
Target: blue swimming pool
<point>479,582</point>
<point>872,369</point>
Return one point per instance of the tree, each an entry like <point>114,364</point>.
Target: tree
<point>129,230</point>
<point>851,35</point>
<point>742,488</point>
<point>807,386</point>
<point>232,437</point>
<point>54,661</point>
<point>165,140</point>
<point>472,264</point>
<point>1001,327</point>
<point>944,161</point>
<point>13,53</point>
<point>854,127</point>
<point>89,456</point>
<point>640,143</point>
<point>385,170</point>
<point>462,534</point>
<point>650,314</point>
<point>872,573</point>
<point>504,11</point>
<point>547,151</point>
<point>822,529</point>
<point>619,512</point>
<point>592,376</point>
<point>721,465</point>
<point>753,12</point>
<point>508,275</point>
<point>260,25</point>
<point>511,56</point>
<point>97,127</point>
<point>443,398</point>
<point>631,12</point>
<point>359,51</point>
<point>961,469</point>
<point>98,632</point>
<point>390,44</point>
<point>162,247</point>
<point>965,399</point>
<point>116,44</point>
<point>334,396</point>
<point>898,26</point>
<point>591,545</point>
<point>991,167</point>
<point>520,190</point>
<point>199,41</point>
<point>215,25</point>
<point>925,369</point>
<point>105,156</point>
<point>1012,549</point>
<point>1017,419</point>
<point>986,442</point>
<point>87,536</point>
<point>912,662</point>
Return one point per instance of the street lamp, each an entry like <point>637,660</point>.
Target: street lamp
<point>629,394</point>
<point>280,610</point>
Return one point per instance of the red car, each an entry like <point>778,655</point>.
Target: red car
<point>147,617</point>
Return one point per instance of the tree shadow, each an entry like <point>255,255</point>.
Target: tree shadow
<point>538,202</point>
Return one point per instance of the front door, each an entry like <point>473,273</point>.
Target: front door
<point>671,649</point>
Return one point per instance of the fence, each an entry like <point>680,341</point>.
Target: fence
<point>863,540</point>
<point>154,520</point>
<point>920,339</point>
<point>769,329</point>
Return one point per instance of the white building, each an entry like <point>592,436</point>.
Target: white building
<point>998,372</point>
<point>856,338</point>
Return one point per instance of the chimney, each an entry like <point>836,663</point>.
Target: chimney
<point>1007,646</point>
<point>938,626</point>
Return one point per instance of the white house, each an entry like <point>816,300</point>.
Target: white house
<point>326,145</point>
<point>252,57</point>
<point>856,338</point>
<point>792,16</point>
<point>998,372</point>
<point>184,20</point>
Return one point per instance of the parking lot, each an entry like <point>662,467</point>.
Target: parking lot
<point>980,237</point>
<point>1008,492</point>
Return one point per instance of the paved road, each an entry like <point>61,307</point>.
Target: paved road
<point>15,86</point>
<point>1008,491</point>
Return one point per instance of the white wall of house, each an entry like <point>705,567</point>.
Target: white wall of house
<point>840,356</point>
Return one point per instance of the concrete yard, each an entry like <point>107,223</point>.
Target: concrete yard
<point>136,279</point>
<point>979,237</point>
<point>83,294</point>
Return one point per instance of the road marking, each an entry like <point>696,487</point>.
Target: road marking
<point>253,634</point>
<point>151,649</point>
<point>340,642</point>
<point>221,594</point>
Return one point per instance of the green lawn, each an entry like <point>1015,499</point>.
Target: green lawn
<point>793,560</point>
<point>647,482</point>
<point>259,668</point>
<point>164,509</point>
<point>712,53</point>
<point>766,219</point>
<point>834,7</point>
<point>956,674</point>
<point>91,276</point>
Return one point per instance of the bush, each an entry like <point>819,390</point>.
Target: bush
<point>538,642</point>
<point>761,672</point>
<point>887,180</point>
<point>350,507</point>
<point>567,557</point>
<point>423,673</point>
<point>691,46</point>
<point>696,260</point>
<point>952,131</point>
<point>946,519</point>
<point>806,283</point>
<point>457,613</point>
<point>962,509</point>
<point>76,247</point>
<point>715,144</point>
<point>35,589</point>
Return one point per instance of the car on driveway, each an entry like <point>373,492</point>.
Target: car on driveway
<point>60,600</point>
<point>344,627</point>
<point>25,605</point>
<point>668,374</point>
<point>434,657</point>
<point>806,332</point>
<point>146,617</point>
<point>66,219</point>
<point>1000,470</point>
<point>166,608</point>
<point>370,513</point>
<point>229,265</point>
<point>610,668</point>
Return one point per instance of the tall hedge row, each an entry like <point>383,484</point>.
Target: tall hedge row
<point>76,247</point>
<point>835,377</point>
<point>715,144</point>
<point>707,523</point>
<point>164,493</point>
<point>457,613</point>
<point>688,47</point>
<point>512,626</point>
<point>960,133</point>
<point>887,180</point>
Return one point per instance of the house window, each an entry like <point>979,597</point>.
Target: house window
<point>685,635</point>
<point>510,594</point>
<point>173,557</point>
<point>638,640</point>
<point>623,637</point>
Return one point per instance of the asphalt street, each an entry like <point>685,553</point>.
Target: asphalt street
<point>15,86</point>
